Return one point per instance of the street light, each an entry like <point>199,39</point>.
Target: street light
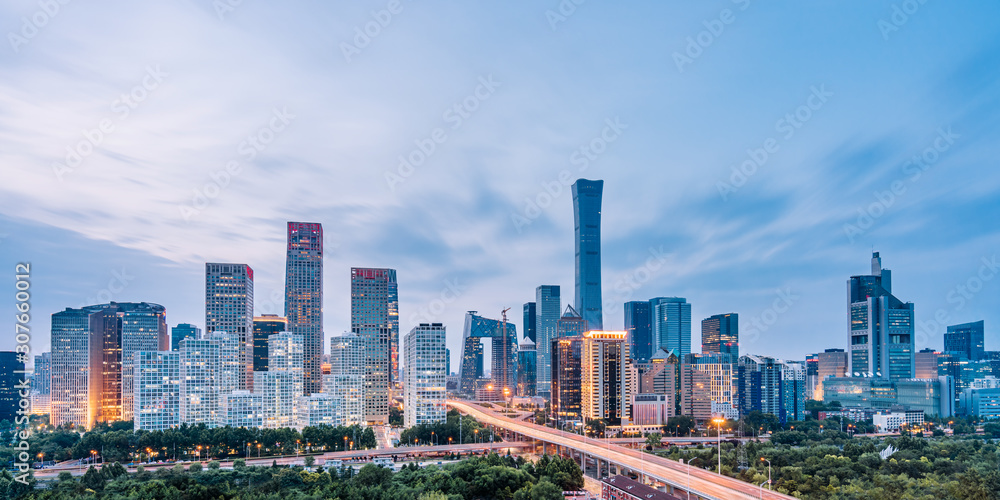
<point>762,459</point>
<point>345,443</point>
<point>93,456</point>
<point>718,422</point>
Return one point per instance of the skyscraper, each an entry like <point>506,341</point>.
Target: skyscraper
<point>199,362</point>
<point>604,383</point>
<point>304,295</point>
<point>880,326</point>
<point>530,321</point>
<point>571,324</point>
<point>157,390</point>
<point>11,373</point>
<point>527,368</point>
<point>548,304</point>
<point>832,363</point>
<point>72,379</point>
<point>424,394</point>
<point>375,318</point>
<point>587,216</point>
<point>567,374</point>
<point>263,327</point>
<point>229,308</point>
<point>639,327</point>
<point>347,355</point>
<point>672,324</point>
<point>181,332</point>
<point>503,338</point>
<point>965,340</point>
<point>721,334</point>
<point>41,385</point>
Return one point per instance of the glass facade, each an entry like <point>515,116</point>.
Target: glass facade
<point>567,374</point>
<point>375,318</point>
<point>672,324</point>
<point>881,332</point>
<point>530,320</point>
<point>504,355</point>
<point>9,380</point>
<point>304,295</point>
<point>181,332</point>
<point>229,308</point>
<point>965,340</point>
<point>424,388</point>
<point>587,197</point>
<point>721,334</point>
<point>548,304</point>
<point>263,327</point>
<point>527,369</point>
<point>639,328</point>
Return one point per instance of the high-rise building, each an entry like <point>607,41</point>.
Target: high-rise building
<point>199,362</point>
<point>881,327</point>
<point>760,385</point>
<point>793,391</point>
<point>229,308</point>
<point>926,364</point>
<point>567,374</point>
<point>587,196</point>
<point>723,381</point>
<point>504,359</point>
<point>604,385</point>
<point>639,327</point>
<point>181,332</point>
<point>283,381</point>
<point>527,368</point>
<point>829,363</point>
<point>350,390</point>
<point>71,374</point>
<point>11,373</point>
<point>229,367</point>
<point>375,318</point>
<point>695,393</point>
<point>318,409</point>
<point>721,334</point>
<point>530,321</point>
<point>243,409</point>
<point>157,385</point>
<point>304,295</point>
<point>966,340</point>
<point>548,303</point>
<point>41,385</point>
<point>263,327</point>
<point>571,324</point>
<point>347,355</point>
<point>672,324</point>
<point>424,388</point>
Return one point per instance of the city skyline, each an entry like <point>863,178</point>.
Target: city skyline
<point>667,228</point>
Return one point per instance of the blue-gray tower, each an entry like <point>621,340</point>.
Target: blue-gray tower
<point>587,215</point>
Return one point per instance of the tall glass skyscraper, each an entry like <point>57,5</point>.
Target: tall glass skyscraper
<point>9,380</point>
<point>587,215</point>
<point>304,296</point>
<point>965,340</point>
<point>375,318</point>
<point>229,308</point>
<point>547,306</point>
<point>880,326</point>
<point>263,327</point>
<point>672,324</point>
<point>721,334</point>
<point>639,327</point>
<point>530,321</point>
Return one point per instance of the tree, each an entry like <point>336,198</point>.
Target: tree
<point>543,490</point>
<point>195,467</point>
<point>310,460</point>
<point>93,479</point>
<point>680,425</point>
<point>653,440</point>
<point>372,475</point>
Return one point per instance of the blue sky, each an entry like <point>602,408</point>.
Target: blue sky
<point>839,96</point>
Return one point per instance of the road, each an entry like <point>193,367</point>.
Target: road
<point>705,483</point>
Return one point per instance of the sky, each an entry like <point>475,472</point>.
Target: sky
<point>754,155</point>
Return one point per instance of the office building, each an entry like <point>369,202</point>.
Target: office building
<point>347,355</point>
<point>723,380</point>
<point>881,327</point>
<point>965,340</point>
<point>11,373</point>
<point>41,385</point>
<point>933,397</point>
<point>926,364</point>
<point>793,391</point>
<point>587,196</point>
<point>229,308</point>
<point>672,324</point>
<point>263,327</point>
<point>760,385</point>
<point>567,374</point>
<point>530,321</point>
<point>304,295</point>
<point>983,403</point>
<point>349,389</point>
<point>695,393</point>
<point>375,318</point>
<point>283,381</point>
<point>548,304</point>
<point>504,349</point>
<point>830,363</point>
<point>604,385</point>
<point>721,334</point>
<point>229,367</point>
<point>424,388</point>
<point>639,327</point>
<point>157,386</point>
<point>527,368</point>
<point>71,375</point>
<point>181,332</point>
<point>243,409</point>
<point>659,376</point>
<point>199,362</point>
<point>318,409</point>
<point>652,409</point>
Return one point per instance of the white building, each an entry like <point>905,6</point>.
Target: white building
<point>424,356</point>
<point>605,384</point>
<point>230,367</point>
<point>243,409</point>
<point>347,355</point>
<point>157,390</point>
<point>651,409</point>
<point>350,389</point>
<point>318,408</point>
<point>199,360</point>
<point>892,422</point>
<point>283,381</point>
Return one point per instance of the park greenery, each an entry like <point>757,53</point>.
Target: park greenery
<point>489,477</point>
<point>457,429</point>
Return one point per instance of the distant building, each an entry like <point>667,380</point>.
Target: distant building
<point>182,331</point>
<point>894,421</point>
<point>347,355</point>
<point>199,362</point>
<point>350,390</point>
<point>965,340</point>
<point>530,321</point>
<point>982,403</point>
<point>548,304</point>
<point>830,363</point>
<point>723,387</point>
<point>243,409</point>
<point>10,378</point>
<point>304,296</point>
<point>567,374</point>
<point>157,399</point>
<point>933,397</point>
<point>375,318</point>
<point>319,409</point>
<point>695,393</point>
<point>283,381</point>
<point>672,324</point>
<point>639,327</point>
<point>527,368</point>
<point>424,388</point>
<point>504,357</point>
<point>793,391</point>
<point>652,409</point>
<point>229,308</point>
<point>761,385</point>
<point>721,334</point>
<point>41,385</point>
<point>605,383</point>
<point>881,327</point>
<point>926,364</point>
<point>263,327</point>
<point>587,197</point>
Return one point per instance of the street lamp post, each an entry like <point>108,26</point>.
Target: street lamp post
<point>762,459</point>
<point>718,422</point>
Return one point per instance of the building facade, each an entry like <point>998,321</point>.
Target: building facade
<point>672,324</point>
<point>530,321</point>
<point>229,308</point>
<point>527,368</point>
<point>639,327</point>
<point>11,373</point>
<point>375,318</point>
<point>721,334</point>
<point>304,295</point>
<point>587,197</point>
<point>263,327</point>
<point>424,386</point>
<point>965,340</point>
<point>548,304</point>
<point>605,382</point>
<point>41,385</point>
<point>567,375</point>
<point>183,331</point>
<point>157,383</point>
<point>880,327</point>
